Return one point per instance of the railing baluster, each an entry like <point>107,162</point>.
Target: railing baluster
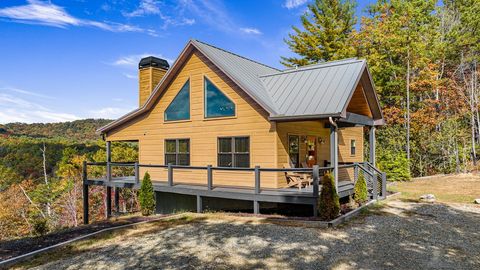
<point>257,179</point>
<point>137,174</point>
<point>384,185</point>
<point>209,177</point>
<point>170,174</point>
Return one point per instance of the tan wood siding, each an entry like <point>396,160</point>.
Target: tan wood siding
<point>250,120</point>
<point>358,103</point>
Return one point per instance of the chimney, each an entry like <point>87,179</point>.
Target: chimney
<point>150,71</point>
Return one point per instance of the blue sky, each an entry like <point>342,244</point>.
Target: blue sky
<point>67,60</point>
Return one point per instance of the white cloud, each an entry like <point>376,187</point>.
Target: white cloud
<point>25,92</point>
<point>131,61</point>
<point>158,8</point>
<point>290,4</point>
<point>110,112</point>
<point>253,31</point>
<point>46,13</point>
<point>130,76</point>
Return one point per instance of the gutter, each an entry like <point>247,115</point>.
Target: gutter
<point>303,117</point>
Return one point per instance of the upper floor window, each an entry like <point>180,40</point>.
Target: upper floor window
<point>179,109</point>
<point>353,146</point>
<point>234,152</point>
<point>177,152</point>
<point>217,104</point>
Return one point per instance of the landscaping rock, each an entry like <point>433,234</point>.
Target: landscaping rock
<point>430,198</point>
<point>477,201</point>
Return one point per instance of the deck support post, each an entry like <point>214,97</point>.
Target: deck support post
<point>371,138</point>
<point>316,178</point>
<point>355,172</point>
<point>108,202</point>
<point>170,174</point>
<point>199,204</point>
<point>257,179</point>
<point>85,193</point>
<point>256,207</point>
<point>209,177</point>
<point>334,153</point>
<point>117,200</point>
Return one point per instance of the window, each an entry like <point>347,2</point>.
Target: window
<point>293,143</point>
<point>216,103</point>
<point>177,151</point>
<point>352,147</point>
<point>234,152</point>
<point>179,109</point>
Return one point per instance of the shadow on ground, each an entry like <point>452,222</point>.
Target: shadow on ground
<point>398,235</point>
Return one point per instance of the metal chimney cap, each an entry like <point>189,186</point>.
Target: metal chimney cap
<point>152,61</point>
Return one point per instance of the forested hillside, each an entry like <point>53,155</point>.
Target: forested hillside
<point>40,175</point>
<point>79,130</point>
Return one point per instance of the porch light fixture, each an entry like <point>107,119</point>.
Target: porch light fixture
<point>321,140</point>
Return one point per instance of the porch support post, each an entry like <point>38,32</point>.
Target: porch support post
<point>334,153</point>
<point>371,138</point>
<point>85,193</point>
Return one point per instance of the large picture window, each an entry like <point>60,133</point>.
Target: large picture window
<point>293,150</point>
<point>177,151</point>
<point>217,104</point>
<point>234,152</point>
<point>179,109</point>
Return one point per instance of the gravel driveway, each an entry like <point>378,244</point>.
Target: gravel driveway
<point>399,235</point>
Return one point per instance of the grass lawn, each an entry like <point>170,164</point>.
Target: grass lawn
<point>461,188</point>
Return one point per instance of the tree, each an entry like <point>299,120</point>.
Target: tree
<point>327,26</point>
<point>329,203</point>
<point>147,196</point>
<point>360,190</point>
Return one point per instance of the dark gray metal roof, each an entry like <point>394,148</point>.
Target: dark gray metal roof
<point>321,89</point>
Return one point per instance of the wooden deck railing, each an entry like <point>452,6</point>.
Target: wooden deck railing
<point>316,172</point>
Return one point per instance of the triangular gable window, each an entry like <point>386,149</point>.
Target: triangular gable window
<point>179,109</point>
<point>217,104</point>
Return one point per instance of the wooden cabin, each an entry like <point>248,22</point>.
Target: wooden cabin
<point>213,108</point>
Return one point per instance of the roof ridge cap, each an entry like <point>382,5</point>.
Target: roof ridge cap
<point>316,66</point>
<point>243,57</point>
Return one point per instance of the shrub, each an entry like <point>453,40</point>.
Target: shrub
<point>329,204</point>
<point>147,196</point>
<point>40,226</point>
<point>360,189</point>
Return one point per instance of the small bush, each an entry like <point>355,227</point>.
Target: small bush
<point>329,203</point>
<point>40,226</point>
<point>147,196</point>
<point>361,193</point>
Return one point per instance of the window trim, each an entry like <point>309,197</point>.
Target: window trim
<point>176,153</point>
<point>205,117</point>
<point>233,152</point>
<point>353,147</point>
<point>189,104</point>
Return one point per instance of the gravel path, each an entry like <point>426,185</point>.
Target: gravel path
<point>400,235</point>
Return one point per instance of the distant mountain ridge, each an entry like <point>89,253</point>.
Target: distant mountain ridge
<point>78,130</point>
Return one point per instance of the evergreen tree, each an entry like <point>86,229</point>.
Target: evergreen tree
<point>147,196</point>
<point>327,26</point>
<point>360,189</point>
<point>329,203</point>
